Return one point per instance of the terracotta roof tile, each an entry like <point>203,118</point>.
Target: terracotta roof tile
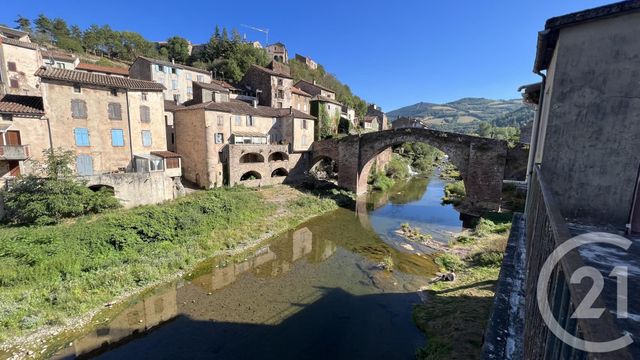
<point>298,91</point>
<point>242,108</point>
<point>211,86</point>
<point>58,55</point>
<point>103,69</point>
<point>15,42</point>
<point>171,105</point>
<point>81,77</point>
<point>20,104</point>
<point>271,72</point>
<point>165,154</point>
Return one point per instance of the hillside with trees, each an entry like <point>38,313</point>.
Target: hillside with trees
<point>226,54</point>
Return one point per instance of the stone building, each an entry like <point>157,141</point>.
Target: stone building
<point>369,123</point>
<point>169,119</point>
<point>375,110</point>
<point>314,89</point>
<point>19,60</point>
<point>228,143</point>
<point>323,103</point>
<point>272,86</point>
<point>59,59</point>
<point>115,126</point>
<point>406,122</point>
<point>23,133</point>
<point>307,61</point>
<point>278,52</point>
<point>176,78</point>
<point>300,100</point>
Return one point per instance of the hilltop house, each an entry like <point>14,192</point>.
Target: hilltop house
<point>233,142</point>
<point>176,78</point>
<point>375,110</point>
<point>278,52</point>
<point>271,86</point>
<point>369,123</point>
<point>583,179</point>
<point>307,61</point>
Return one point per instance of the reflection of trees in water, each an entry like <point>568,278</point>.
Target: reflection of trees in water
<point>408,191</point>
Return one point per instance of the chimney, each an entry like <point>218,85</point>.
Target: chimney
<point>290,110</point>
<point>255,103</point>
<point>173,61</point>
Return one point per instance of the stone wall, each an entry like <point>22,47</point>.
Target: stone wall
<point>134,189</point>
<point>27,61</point>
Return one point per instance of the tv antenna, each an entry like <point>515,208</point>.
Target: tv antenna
<point>264,31</point>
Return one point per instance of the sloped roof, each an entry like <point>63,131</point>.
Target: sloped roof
<point>325,99</point>
<point>81,77</point>
<point>170,64</point>
<point>21,104</point>
<point>211,86</point>
<point>103,69</point>
<point>270,71</point>
<point>224,84</point>
<point>242,108</point>
<point>165,154</point>
<point>171,106</point>
<point>298,91</point>
<point>316,85</point>
<point>19,43</point>
<point>58,55</point>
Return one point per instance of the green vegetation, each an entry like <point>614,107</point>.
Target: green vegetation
<point>454,193</point>
<point>398,167</point>
<point>53,193</point>
<point>422,157</point>
<point>508,133</point>
<point>455,314</point>
<point>450,172</point>
<point>51,274</point>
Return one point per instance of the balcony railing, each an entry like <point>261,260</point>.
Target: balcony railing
<point>14,152</point>
<point>546,230</point>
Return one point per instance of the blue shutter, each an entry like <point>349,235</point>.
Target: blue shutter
<point>146,138</point>
<point>82,136</point>
<point>117,137</point>
<point>84,165</point>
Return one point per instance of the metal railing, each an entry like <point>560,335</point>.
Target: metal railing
<point>546,230</point>
<point>14,152</point>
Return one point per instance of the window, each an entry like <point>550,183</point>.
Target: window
<point>238,120</point>
<point>172,163</point>
<point>61,65</point>
<point>78,109</point>
<point>174,84</point>
<point>77,89</point>
<point>114,92</point>
<point>279,82</point>
<point>220,120</point>
<point>280,94</point>
<point>273,121</point>
<point>7,117</point>
<point>304,124</point>
<point>219,138</point>
<point>188,76</point>
<point>173,138</point>
<point>200,78</point>
<point>145,114</point>
<point>279,104</point>
<point>144,96</point>
<point>250,120</point>
<point>305,107</point>
<point>15,84</point>
<point>189,90</point>
<point>82,136</point>
<point>115,111</point>
<point>117,137</point>
<point>176,98</point>
<point>174,71</point>
<point>84,165</point>
<point>146,138</point>
<point>160,68</point>
<point>12,66</point>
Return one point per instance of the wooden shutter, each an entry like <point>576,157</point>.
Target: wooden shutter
<point>115,111</point>
<point>13,138</point>
<point>84,165</point>
<point>82,136</point>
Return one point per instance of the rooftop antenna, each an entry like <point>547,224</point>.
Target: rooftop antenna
<point>264,31</point>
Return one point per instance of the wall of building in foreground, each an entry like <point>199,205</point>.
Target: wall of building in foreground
<point>134,189</point>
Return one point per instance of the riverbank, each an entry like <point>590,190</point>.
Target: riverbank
<point>55,278</point>
<point>454,314</point>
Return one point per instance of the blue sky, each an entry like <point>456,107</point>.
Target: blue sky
<point>393,53</point>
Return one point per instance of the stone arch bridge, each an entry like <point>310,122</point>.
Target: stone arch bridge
<point>483,163</point>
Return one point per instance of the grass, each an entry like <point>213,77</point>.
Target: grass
<point>455,315</point>
<point>51,275</point>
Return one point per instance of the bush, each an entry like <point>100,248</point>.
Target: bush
<point>486,227</point>
<point>382,182</point>
<point>491,258</point>
<point>398,167</point>
<point>454,193</point>
<point>58,194</point>
<point>449,262</point>
<point>422,165</point>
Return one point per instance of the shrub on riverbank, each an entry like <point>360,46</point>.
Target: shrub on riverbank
<point>454,193</point>
<point>49,274</point>
<point>398,167</point>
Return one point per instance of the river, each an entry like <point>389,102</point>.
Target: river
<point>316,292</point>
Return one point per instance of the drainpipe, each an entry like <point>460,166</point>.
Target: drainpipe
<point>126,94</point>
<point>535,131</point>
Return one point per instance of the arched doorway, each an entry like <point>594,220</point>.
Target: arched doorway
<point>100,187</point>
<point>250,175</point>
<point>251,158</point>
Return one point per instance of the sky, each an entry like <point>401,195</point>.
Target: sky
<point>392,53</point>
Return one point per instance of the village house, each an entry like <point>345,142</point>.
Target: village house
<point>583,179</point>
<point>116,128</point>
<point>19,60</point>
<point>59,59</point>
<point>323,103</point>
<point>176,78</point>
<point>271,86</point>
<point>369,123</point>
<point>348,115</point>
<point>406,122</point>
<point>278,52</point>
<point>300,100</point>
<point>307,61</point>
<point>234,142</point>
<point>375,110</point>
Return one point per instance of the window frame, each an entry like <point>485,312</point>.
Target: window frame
<point>84,115</point>
<point>142,133</point>
<point>12,64</point>
<point>145,114</point>
<point>76,133</point>
<point>115,131</point>
<point>118,106</point>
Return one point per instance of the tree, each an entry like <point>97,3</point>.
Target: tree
<point>44,28</point>
<point>23,23</point>
<point>53,193</point>
<point>178,49</point>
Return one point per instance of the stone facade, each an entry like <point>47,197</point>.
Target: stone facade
<point>278,52</point>
<point>105,156</point>
<point>176,78</point>
<point>300,100</point>
<point>481,161</point>
<point>19,61</point>
<point>272,88</point>
<point>315,89</point>
<point>33,136</point>
<point>307,61</point>
<point>135,189</point>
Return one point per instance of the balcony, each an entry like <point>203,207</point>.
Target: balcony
<point>14,152</point>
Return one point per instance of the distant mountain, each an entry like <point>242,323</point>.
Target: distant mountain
<point>465,115</point>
